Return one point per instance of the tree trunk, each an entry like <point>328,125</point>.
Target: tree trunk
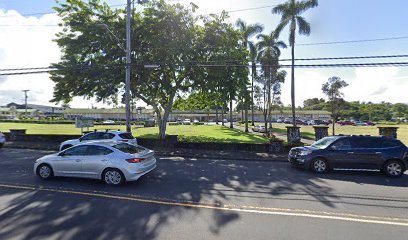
<point>246,116</point>
<point>231,125</point>
<point>242,114</point>
<point>252,97</point>
<point>222,115</point>
<point>292,86</point>
<point>216,114</point>
<point>333,123</point>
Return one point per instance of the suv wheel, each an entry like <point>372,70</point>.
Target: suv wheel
<point>319,165</point>
<point>393,168</point>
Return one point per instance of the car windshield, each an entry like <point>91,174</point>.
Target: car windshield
<point>128,148</point>
<point>324,142</point>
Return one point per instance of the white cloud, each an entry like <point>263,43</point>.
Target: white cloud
<point>308,84</point>
<point>376,85</point>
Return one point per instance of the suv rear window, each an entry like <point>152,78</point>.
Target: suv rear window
<point>127,148</point>
<point>126,136</point>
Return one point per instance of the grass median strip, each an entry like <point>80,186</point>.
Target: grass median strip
<point>248,209</point>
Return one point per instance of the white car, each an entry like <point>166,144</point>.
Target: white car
<point>187,121</point>
<point>105,135</point>
<point>195,121</point>
<point>108,122</point>
<point>110,161</point>
<point>2,139</point>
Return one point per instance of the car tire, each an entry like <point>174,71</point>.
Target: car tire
<point>393,168</point>
<point>319,165</point>
<point>65,147</point>
<point>44,171</point>
<point>113,176</point>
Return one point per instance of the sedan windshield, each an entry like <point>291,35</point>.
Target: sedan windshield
<point>324,142</point>
<point>127,148</point>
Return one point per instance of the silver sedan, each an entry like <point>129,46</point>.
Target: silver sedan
<point>112,162</point>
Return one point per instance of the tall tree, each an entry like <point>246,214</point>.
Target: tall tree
<point>332,89</point>
<point>248,31</point>
<point>269,52</point>
<point>291,16</point>
<point>92,61</point>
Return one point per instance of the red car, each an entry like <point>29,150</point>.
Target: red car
<point>343,123</point>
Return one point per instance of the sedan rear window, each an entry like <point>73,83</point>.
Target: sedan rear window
<point>128,148</point>
<point>126,136</point>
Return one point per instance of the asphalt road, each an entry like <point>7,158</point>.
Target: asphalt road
<point>202,199</point>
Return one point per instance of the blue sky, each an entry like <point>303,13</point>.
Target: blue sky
<point>332,20</point>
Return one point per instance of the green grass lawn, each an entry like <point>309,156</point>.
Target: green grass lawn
<point>200,133</point>
<point>190,133</point>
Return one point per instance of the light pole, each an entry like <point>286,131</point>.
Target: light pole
<point>25,99</point>
<point>128,61</point>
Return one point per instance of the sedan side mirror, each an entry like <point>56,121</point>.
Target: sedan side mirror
<point>80,139</point>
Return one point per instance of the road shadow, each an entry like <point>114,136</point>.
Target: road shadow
<point>37,214</point>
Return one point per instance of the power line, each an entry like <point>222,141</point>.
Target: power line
<point>214,62</point>
<point>42,13</point>
<point>353,41</point>
<point>348,65</point>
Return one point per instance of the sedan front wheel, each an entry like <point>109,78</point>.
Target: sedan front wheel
<point>44,171</point>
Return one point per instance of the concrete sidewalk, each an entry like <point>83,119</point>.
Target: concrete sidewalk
<point>176,152</point>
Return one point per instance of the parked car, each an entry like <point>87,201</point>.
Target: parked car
<point>105,135</point>
<point>300,122</point>
<point>360,123</point>
<point>108,122</point>
<point>259,128</point>
<point>353,152</point>
<point>317,122</point>
<point>111,161</point>
<point>345,122</point>
<point>187,121</point>
<point>280,120</point>
<point>2,139</point>
<point>195,121</point>
<point>369,123</point>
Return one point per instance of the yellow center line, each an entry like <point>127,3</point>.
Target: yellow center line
<point>247,209</point>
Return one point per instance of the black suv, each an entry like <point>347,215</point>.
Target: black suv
<point>353,153</point>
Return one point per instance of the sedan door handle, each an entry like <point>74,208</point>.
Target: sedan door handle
<point>350,152</point>
<point>379,153</point>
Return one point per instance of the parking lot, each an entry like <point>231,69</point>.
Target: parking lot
<point>202,199</point>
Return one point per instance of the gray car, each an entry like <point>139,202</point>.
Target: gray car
<point>111,161</point>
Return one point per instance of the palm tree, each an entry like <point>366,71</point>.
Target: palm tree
<point>249,31</point>
<point>269,52</point>
<point>253,51</point>
<point>291,16</point>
